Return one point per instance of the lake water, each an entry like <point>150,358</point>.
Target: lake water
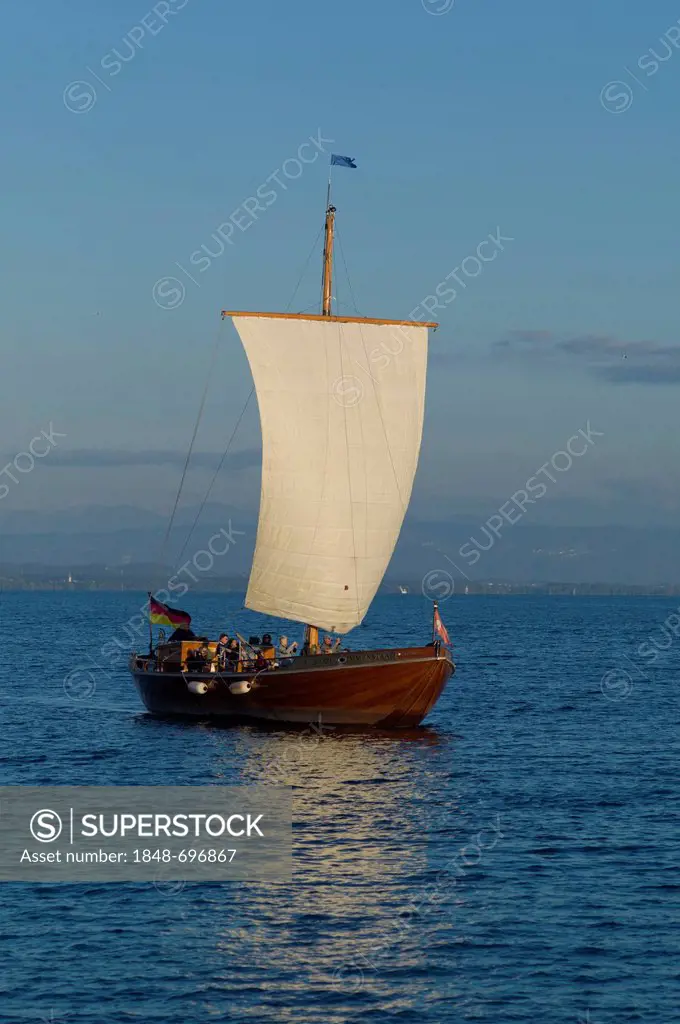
<point>514,861</point>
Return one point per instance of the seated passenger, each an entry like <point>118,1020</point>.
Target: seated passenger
<point>329,646</point>
<point>287,650</point>
<point>196,661</point>
<point>268,649</point>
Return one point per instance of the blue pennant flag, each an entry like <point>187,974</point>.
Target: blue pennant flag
<point>342,161</point>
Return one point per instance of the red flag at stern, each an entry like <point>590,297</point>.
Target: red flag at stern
<point>439,627</point>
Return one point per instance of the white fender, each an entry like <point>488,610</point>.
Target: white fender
<point>196,686</point>
<point>242,686</point>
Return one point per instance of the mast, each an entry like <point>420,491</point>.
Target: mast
<point>328,258</point>
<point>311,641</point>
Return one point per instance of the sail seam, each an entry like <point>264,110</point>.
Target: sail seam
<point>349,478</point>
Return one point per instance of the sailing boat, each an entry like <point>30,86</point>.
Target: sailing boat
<point>328,524</point>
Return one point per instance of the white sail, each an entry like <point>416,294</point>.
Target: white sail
<point>341,407</point>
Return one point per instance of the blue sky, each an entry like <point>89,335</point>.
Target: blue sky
<point>490,115</point>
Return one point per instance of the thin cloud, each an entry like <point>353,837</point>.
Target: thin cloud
<point>603,356</point>
<point>102,458</point>
<point>525,339</point>
<point>641,374</point>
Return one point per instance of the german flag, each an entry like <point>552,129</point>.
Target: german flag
<point>164,615</point>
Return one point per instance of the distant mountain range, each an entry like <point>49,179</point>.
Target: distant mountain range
<point>125,537</point>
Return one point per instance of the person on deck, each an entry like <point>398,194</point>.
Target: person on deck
<point>329,646</point>
<point>287,650</point>
<point>182,633</point>
<point>222,649</point>
<point>196,661</point>
<point>268,650</point>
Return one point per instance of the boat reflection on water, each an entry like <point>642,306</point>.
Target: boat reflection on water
<point>344,929</point>
<point>425,734</point>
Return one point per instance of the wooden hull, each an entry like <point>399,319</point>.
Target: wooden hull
<point>392,689</point>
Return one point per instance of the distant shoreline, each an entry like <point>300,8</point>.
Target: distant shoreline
<point>481,589</point>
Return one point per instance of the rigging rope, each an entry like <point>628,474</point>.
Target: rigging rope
<point>213,358</point>
<point>215,475</point>
<point>304,270</point>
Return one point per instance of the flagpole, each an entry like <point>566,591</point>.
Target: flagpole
<point>434,619</point>
<point>327,286</point>
<point>326,268</point>
<point>150,628</point>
